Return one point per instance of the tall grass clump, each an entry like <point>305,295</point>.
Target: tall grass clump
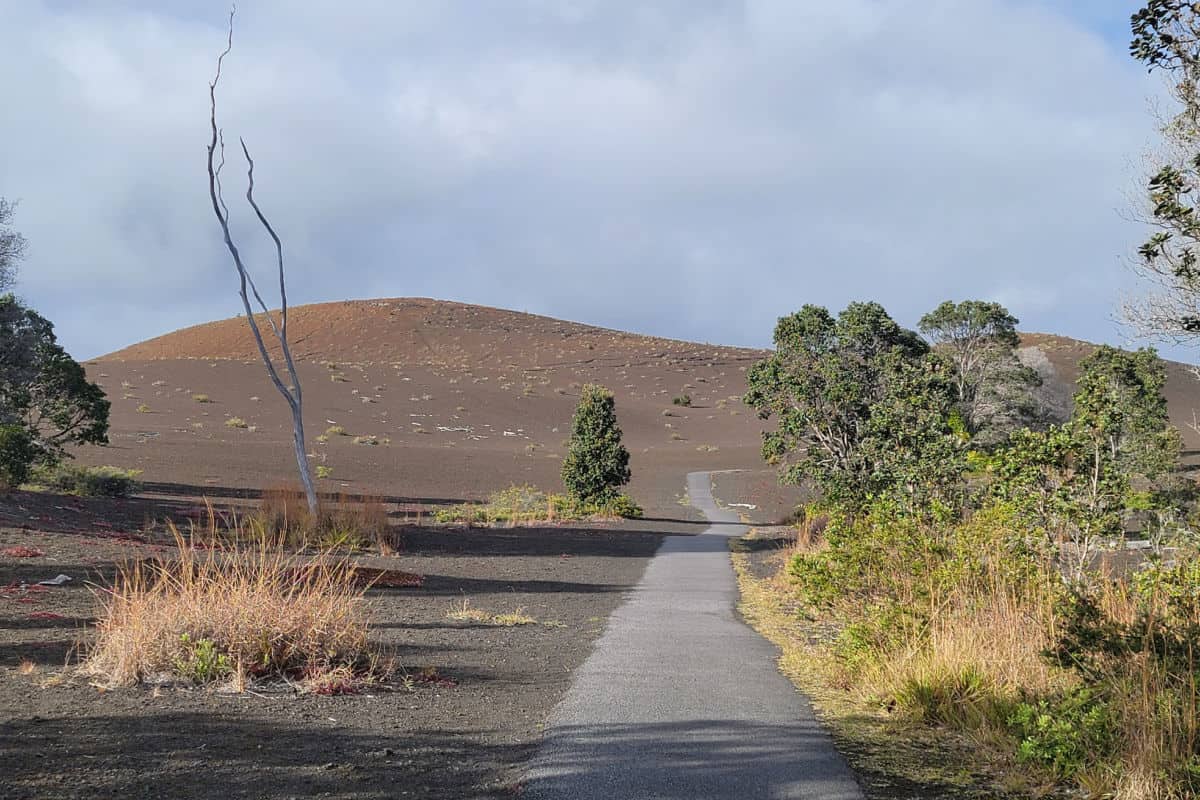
<point>342,522</point>
<point>237,615</point>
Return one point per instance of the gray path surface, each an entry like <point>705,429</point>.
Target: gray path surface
<point>681,700</point>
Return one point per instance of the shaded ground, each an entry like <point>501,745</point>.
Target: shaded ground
<point>480,693</point>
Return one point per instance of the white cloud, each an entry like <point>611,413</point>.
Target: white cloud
<point>684,168</point>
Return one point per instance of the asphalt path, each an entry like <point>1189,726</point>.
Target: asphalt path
<point>681,700</point>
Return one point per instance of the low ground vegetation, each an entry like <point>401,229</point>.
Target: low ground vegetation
<point>86,481</point>
<point>981,583</point>
<point>527,504</point>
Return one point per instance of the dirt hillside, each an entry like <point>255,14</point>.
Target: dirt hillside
<point>442,400</point>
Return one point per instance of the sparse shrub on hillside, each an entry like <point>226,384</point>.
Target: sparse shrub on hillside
<point>143,409</point>
<point>597,463</point>
<point>236,422</point>
<point>682,400</point>
<point>88,481</point>
<point>201,398</point>
<point>336,430</point>
<point>527,504</point>
<point>323,471</point>
<point>17,454</point>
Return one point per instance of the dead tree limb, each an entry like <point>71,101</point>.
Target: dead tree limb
<point>291,393</point>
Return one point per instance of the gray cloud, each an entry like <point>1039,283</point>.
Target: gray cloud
<point>684,168</point>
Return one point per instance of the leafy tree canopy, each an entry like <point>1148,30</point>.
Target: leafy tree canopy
<point>994,387</point>
<point>43,389</point>
<point>862,406</point>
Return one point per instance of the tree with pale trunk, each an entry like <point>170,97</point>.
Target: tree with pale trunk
<point>290,391</point>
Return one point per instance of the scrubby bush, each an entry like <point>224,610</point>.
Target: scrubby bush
<point>344,522</point>
<point>522,504</point>
<point>17,454</point>
<point>88,481</point>
<point>684,400</point>
<point>241,615</point>
<point>597,463</point>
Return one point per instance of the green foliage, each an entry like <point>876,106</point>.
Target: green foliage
<point>17,454</point>
<point>43,389</point>
<point>862,408</point>
<point>994,388</point>
<point>201,661</point>
<point>524,503</point>
<point>965,698</point>
<point>1065,733</point>
<point>1076,478</point>
<point>88,481</point>
<point>1120,407</point>
<point>597,464</point>
<point>682,400</point>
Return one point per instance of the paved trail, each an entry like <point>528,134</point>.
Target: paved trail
<point>681,700</point>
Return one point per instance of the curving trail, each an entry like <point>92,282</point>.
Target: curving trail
<point>681,700</point>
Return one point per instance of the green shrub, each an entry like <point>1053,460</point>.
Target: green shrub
<point>1066,733</point>
<point>524,503</point>
<point>684,400</point>
<point>201,661</point>
<point>89,481</point>
<point>597,464</point>
<point>17,454</point>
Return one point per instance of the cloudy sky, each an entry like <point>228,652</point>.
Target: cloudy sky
<point>690,168</point>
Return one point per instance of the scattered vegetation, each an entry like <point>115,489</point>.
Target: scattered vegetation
<point>468,613</point>
<point>953,563</point>
<point>201,398</point>
<point>526,504</point>
<point>323,471</point>
<point>283,519</point>
<point>682,400</point>
<point>236,422</point>
<point>87,481</point>
<point>335,430</point>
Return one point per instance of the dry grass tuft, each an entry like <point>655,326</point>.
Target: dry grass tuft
<point>468,613</point>
<point>238,615</point>
<point>355,523</point>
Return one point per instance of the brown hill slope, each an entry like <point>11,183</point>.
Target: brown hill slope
<point>448,400</point>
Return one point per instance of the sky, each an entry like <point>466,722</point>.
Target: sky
<point>685,168</point>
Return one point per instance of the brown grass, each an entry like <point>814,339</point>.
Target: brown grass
<point>241,615</point>
<point>345,521</point>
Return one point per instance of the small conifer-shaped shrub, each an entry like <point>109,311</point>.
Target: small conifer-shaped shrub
<point>597,464</point>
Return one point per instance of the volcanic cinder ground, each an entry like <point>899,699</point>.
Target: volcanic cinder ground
<point>440,403</point>
<point>461,400</point>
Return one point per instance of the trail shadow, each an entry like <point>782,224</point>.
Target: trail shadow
<point>253,754</point>
<point>689,759</point>
<point>246,493</point>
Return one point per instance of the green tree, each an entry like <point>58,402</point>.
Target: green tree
<point>994,388</point>
<point>42,389</point>
<point>1166,36</point>
<point>862,407</point>
<point>597,464</point>
<point>1075,479</point>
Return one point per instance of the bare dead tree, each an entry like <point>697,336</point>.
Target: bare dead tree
<point>291,392</point>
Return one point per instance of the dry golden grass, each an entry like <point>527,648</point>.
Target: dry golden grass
<point>465,612</point>
<point>238,615</point>
<point>344,521</point>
